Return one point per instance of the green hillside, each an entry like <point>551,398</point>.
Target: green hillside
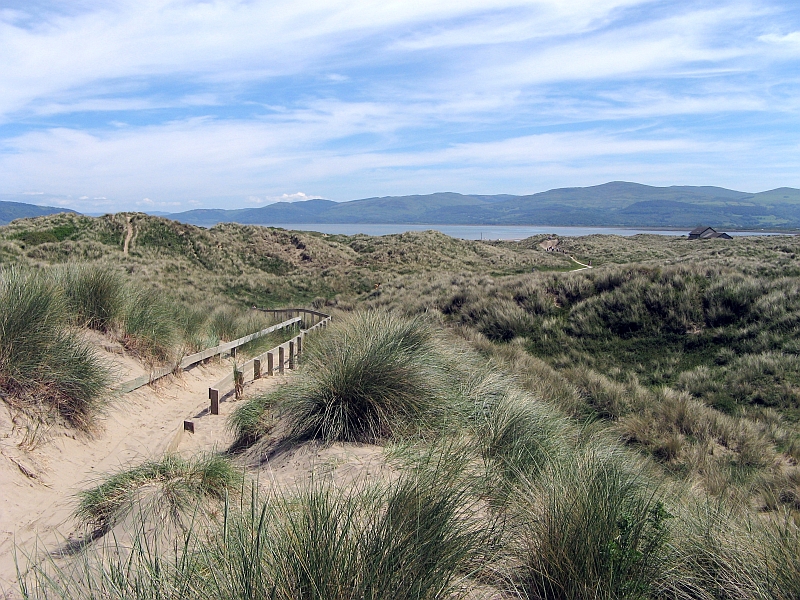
<point>611,204</point>
<point>19,210</point>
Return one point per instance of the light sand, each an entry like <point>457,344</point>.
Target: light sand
<point>38,487</point>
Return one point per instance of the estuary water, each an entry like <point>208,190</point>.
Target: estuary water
<point>488,232</point>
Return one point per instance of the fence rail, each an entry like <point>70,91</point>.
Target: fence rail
<point>197,357</point>
<point>266,364</point>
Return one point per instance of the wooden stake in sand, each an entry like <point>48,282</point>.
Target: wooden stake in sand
<point>214,397</point>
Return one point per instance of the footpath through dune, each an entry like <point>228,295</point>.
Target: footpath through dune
<point>38,487</point>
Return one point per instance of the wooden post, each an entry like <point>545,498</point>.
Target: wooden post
<point>281,359</point>
<point>270,361</point>
<point>256,368</point>
<point>300,342</point>
<point>291,354</point>
<point>214,396</point>
<point>233,352</point>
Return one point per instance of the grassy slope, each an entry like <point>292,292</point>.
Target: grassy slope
<point>747,456</point>
<point>744,368</point>
<point>257,265</point>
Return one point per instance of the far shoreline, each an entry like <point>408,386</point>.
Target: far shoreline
<point>504,232</point>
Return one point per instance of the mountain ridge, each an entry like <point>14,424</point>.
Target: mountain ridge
<point>616,203</point>
<point>21,210</point>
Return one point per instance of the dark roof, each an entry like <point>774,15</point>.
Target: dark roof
<point>706,233</point>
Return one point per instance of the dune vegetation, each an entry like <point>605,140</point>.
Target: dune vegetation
<point>626,431</point>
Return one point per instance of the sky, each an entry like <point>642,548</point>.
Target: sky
<point>170,105</point>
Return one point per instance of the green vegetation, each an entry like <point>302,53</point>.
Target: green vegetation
<point>44,367</point>
<point>628,431</point>
<point>372,377</point>
<point>51,373</point>
<point>517,499</point>
<point>166,489</point>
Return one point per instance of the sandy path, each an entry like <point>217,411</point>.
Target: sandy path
<point>140,425</point>
<point>583,265</point>
<point>128,236</point>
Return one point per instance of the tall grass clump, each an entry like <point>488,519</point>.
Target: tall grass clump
<point>44,365</point>
<point>732,554</point>
<point>191,322</point>
<point>591,525</point>
<point>519,438</point>
<point>418,537</point>
<point>94,294</point>
<point>149,328</point>
<point>421,536</point>
<point>167,488</point>
<point>372,376</point>
<point>225,324</point>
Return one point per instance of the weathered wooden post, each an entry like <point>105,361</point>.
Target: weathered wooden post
<point>233,352</point>
<point>281,359</point>
<point>300,343</point>
<point>214,396</point>
<point>256,368</point>
<point>270,364</point>
<point>291,354</point>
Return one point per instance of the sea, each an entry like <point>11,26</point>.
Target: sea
<point>492,232</point>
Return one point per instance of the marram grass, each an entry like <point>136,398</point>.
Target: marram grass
<point>421,536</point>
<point>174,485</point>
<point>44,365</point>
<point>371,376</point>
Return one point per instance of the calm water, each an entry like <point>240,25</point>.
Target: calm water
<point>487,232</point>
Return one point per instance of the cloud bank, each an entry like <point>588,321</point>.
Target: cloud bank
<point>177,104</point>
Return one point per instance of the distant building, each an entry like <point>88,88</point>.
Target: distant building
<point>707,233</point>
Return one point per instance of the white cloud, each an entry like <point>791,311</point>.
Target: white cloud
<point>442,93</point>
<point>792,39</point>
<point>296,197</point>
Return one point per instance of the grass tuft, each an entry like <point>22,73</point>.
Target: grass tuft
<point>372,376</point>
<point>173,486</point>
<point>94,294</point>
<point>43,364</point>
<point>150,329</point>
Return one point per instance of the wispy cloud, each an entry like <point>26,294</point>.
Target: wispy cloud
<point>186,103</point>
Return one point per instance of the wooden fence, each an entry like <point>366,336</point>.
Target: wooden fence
<point>276,360</point>
<point>231,347</point>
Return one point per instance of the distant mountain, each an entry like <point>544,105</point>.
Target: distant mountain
<point>19,210</point>
<point>617,203</point>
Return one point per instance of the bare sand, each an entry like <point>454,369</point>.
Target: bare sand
<point>38,486</point>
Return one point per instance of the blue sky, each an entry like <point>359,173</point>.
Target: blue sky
<point>173,105</point>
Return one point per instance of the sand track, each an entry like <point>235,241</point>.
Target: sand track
<point>39,486</point>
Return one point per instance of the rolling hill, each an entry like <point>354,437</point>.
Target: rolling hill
<point>611,204</point>
<point>20,210</point>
